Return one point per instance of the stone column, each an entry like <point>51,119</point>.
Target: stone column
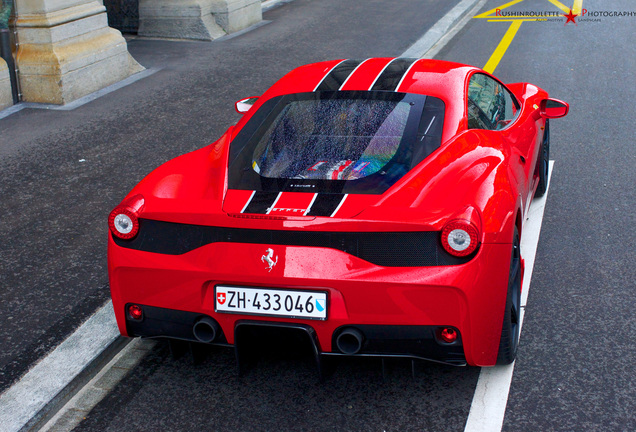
<point>235,15</point>
<point>196,19</point>
<point>6,98</point>
<point>66,50</point>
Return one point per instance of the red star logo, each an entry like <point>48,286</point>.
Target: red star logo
<point>571,17</point>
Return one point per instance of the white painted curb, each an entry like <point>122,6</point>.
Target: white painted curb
<point>48,378</point>
<point>445,25</point>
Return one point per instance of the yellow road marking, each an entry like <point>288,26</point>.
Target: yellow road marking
<point>485,14</point>
<point>515,23</point>
<point>561,6</point>
<point>520,18</point>
<point>516,19</point>
<point>495,58</point>
<point>577,7</point>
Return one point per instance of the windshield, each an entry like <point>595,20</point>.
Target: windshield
<point>343,142</point>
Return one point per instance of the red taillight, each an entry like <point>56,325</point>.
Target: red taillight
<point>135,312</point>
<point>460,237</point>
<point>448,335</point>
<point>123,221</point>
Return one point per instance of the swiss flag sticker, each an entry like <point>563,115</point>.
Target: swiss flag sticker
<point>221,297</point>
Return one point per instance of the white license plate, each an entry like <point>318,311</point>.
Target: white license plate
<point>269,301</point>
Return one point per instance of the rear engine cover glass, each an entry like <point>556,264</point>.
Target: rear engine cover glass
<point>338,142</point>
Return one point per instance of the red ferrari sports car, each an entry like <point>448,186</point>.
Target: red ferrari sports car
<point>375,206</point>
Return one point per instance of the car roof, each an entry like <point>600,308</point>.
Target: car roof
<point>442,79</point>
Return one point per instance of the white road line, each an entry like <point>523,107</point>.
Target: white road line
<point>450,34</point>
<point>491,394</point>
<point>449,23</point>
<point>49,377</point>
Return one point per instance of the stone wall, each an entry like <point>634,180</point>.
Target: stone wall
<point>196,19</point>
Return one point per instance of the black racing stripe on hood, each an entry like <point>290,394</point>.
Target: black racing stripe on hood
<point>325,204</point>
<point>261,202</point>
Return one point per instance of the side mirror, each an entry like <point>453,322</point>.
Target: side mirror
<point>244,105</point>
<point>553,108</point>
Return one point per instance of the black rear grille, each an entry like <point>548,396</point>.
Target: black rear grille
<point>387,249</point>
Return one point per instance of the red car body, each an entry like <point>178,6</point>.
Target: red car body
<point>199,232</point>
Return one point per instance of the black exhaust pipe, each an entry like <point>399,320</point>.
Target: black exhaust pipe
<point>349,341</point>
<point>206,330</point>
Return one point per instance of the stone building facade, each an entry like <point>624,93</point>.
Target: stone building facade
<point>66,50</point>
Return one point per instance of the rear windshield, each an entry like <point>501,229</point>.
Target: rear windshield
<point>339,142</point>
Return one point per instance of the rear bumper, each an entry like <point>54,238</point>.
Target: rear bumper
<point>398,309</point>
<point>422,342</point>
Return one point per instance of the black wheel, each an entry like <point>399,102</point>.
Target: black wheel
<point>512,316</point>
<point>544,161</point>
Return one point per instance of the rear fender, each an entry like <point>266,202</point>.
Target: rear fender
<point>470,170</point>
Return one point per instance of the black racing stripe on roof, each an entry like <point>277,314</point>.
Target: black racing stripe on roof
<point>392,74</point>
<point>261,202</point>
<point>338,75</point>
<point>325,204</point>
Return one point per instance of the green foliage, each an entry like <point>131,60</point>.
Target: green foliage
<point>5,13</point>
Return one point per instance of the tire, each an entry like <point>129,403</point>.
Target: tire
<point>512,316</point>
<point>544,162</point>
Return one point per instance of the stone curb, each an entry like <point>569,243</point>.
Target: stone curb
<point>58,376</point>
<point>452,22</point>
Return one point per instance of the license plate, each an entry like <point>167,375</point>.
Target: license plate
<point>269,301</point>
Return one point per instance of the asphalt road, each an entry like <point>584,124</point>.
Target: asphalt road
<point>574,369</point>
